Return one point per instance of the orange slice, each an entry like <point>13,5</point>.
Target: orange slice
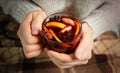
<point>65,45</point>
<point>55,36</point>
<point>68,29</point>
<point>77,27</point>
<point>56,25</point>
<point>68,21</point>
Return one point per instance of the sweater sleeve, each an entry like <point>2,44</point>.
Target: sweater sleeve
<point>105,17</point>
<point>18,8</point>
<point>51,6</point>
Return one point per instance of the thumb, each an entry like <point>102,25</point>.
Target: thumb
<point>37,22</point>
<point>86,43</point>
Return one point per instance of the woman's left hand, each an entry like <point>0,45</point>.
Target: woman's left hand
<point>82,53</point>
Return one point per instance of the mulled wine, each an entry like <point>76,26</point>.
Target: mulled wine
<point>61,32</point>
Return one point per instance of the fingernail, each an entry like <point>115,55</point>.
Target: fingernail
<point>35,31</point>
<point>79,57</point>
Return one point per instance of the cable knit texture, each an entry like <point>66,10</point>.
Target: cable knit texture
<point>18,8</point>
<point>102,15</point>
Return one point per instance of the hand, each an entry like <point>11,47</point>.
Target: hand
<point>29,33</point>
<point>82,53</point>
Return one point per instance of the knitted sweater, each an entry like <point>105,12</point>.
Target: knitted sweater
<point>101,15</point>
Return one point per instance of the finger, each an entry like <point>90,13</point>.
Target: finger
<point>32,40</point>
<point>65,67</point>
<point>32,54</point>
<point>86,55</point>
<point>68,64</point>
<point>29,40</point>
<point>25,25</point>
<point>58,63</point>
<point>33,47</point>
<point>25,29</point>
<point>85,43</point>
<point>27,20</point>
<point>61,56</point>
<point>37,22</point>
<point>61,64</point>
<point>55,61</point>
<point>31,51</point>
<point>75,63</point>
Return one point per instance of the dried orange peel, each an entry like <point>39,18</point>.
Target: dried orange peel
<point>56,24</point>
<point>77,26</point>
<point>55,36</point>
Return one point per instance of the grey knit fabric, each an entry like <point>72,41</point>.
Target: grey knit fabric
<point>102,15</point>
<point>18,8</point>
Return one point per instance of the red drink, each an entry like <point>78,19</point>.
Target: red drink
<point>61,32</point>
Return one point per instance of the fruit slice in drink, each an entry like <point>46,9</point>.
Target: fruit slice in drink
<point>62,35</point>
<point>56,25</point>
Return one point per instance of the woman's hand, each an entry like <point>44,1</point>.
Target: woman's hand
<point>29,33</point>
<point>82,53</point>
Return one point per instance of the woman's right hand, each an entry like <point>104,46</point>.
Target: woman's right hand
<point>29,33</point>
<point>82,54</point>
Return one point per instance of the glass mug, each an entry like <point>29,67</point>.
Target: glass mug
<point>61,32</point>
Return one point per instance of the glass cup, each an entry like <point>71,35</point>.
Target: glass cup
<point>61,32</point>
